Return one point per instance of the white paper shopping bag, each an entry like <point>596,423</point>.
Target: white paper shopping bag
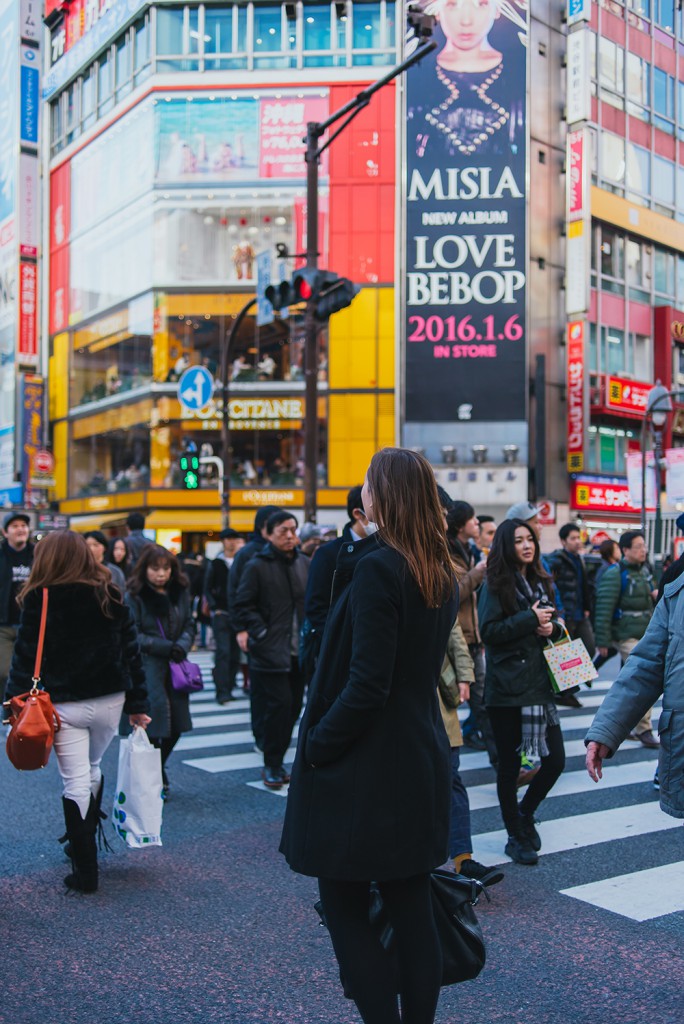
<point>569,664</point>
<point>138,801</point>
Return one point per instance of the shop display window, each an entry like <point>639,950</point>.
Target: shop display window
<point>270,354</point>
<point>109,463</point>
<point>261,457</point>
<point>108,368</point>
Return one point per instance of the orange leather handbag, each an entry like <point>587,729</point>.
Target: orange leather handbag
<point>32,719</point>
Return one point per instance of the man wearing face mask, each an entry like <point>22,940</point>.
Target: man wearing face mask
<point>317,599</point>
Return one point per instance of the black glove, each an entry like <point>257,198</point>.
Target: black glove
<point>177,653</point>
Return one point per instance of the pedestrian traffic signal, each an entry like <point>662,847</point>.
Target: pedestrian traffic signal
<point>190,464</point>
<point>335,293</point>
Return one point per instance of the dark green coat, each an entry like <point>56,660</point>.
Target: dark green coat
<point>516,673</point>
<point>624,606</point>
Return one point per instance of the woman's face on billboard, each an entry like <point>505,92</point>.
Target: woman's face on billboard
<point>466,22</point>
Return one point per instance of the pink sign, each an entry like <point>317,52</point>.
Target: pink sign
<point>28,212</point>
<point>27,353</point>
<point>282,124</point>
<point>576,172</point>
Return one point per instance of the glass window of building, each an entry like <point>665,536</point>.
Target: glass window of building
<point>368,25</point>
<point>110,462</point>
<point>593,348</point>
<point>225,37</point>
<point>105,85</point>
<point>664,12</point>
<point>88,97</point>
<point>663,100</point>
<point>641,348</point>
<point>680,280</point>
<point>664,273</point>
<point>640,7</point>
<point>611,72</point>
<point>612,161</point>
<point>318,35</point>
<point>638,271</point>
<point>638,173</point>
<point>124,65</point>
<point>177,38</point>
<point>638,78</point>
<point>109,367</point>
<point>142,65</point>
<point>614,351</point>
<point>73,112</point>
<point>663,184</point>
<point>56,125</point>
<point>612,252</point>
<point>271,36</point>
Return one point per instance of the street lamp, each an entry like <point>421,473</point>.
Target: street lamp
<point>658,408</point>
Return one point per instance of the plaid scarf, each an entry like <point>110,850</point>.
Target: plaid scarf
<point>535,720</point>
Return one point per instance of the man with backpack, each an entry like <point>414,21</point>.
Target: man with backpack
<point>625,600</point>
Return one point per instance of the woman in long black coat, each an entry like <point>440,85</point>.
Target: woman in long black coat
<point>516,619</point>
<point>159,596</point>
<point>370,790</point>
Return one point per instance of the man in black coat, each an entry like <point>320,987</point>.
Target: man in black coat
<point>267,612</point>
<point>317,599</point>
<point>256,543</point>
<point>16,559</point>
<point>227,655</point>
<point>136,539</point>
<point>570,576</point>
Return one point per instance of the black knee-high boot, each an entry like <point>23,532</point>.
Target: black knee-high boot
<point>82,845</point>
<point>99,816</point>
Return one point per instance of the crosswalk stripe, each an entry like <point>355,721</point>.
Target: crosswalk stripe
<point>583,722</point>
<point>481,797</point>
<point>639,895</point>
<point>234,762</point>
<point>579,830</point>
<point>220,739</point>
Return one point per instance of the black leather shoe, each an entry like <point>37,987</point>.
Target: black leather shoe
<point>284,775</point>
<point>488,876</point>
<point>527,823</point>
<point>519,849</point>
<point>272,778</point>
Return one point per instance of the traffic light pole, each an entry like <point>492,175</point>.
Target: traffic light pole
<point>314,151</point>
<point>227,450</point>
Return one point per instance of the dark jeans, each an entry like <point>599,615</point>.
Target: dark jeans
<point>507,726</point>
<point>477,705</point>
<point>226,658</point>
<point>460,839</point>
<point>364,964</point>
<point>280,696</point>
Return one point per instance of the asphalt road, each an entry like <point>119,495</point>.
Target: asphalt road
<point>213,927</point>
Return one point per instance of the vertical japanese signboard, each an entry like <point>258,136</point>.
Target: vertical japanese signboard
<point>578,217</point>
<point>575,397</point>
<point>465,210</point>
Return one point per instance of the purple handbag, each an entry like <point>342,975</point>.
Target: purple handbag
<point>186,676</point>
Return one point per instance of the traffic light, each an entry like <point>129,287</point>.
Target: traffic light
<point>190,464</point>
<point>325,288</point>
<point>334,293</point>
<point>301,288</point>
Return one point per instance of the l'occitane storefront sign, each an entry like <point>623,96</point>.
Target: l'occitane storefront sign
<point>253,414</point>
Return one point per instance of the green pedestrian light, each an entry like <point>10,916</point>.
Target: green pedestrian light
<point>189,466</point>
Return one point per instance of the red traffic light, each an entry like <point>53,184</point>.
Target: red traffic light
<point>304,289</point>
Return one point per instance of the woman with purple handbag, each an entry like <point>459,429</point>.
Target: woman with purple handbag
<point>159,596</point>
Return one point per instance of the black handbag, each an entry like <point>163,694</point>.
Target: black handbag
<point>460,935</point>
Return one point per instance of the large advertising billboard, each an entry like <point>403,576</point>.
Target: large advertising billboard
<point>465,203</point>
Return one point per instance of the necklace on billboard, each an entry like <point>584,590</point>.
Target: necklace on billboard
<point>437,117</point>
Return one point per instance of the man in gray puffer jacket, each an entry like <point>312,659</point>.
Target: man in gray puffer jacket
<point>654,668</point>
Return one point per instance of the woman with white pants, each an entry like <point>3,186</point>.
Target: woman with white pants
<point>91,668</point>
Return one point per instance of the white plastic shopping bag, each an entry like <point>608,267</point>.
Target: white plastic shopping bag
<point>138,801</point>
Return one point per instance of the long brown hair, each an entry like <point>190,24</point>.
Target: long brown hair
<point>154,555</point>
<point>410,520</point>
<point>63,557</point>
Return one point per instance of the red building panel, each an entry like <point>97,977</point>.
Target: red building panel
<point>362,194</point>
<point>639,43</point>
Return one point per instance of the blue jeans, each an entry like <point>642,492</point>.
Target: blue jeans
<point>460,840</point>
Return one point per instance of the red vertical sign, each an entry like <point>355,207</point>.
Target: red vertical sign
<point>575,397</point>
<point>60,226</point>
<point>27,354</point>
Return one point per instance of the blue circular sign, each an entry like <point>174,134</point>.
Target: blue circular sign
<point>195,388</point>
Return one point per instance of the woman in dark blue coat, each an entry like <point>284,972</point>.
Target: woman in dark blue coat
<point>370,790</point>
